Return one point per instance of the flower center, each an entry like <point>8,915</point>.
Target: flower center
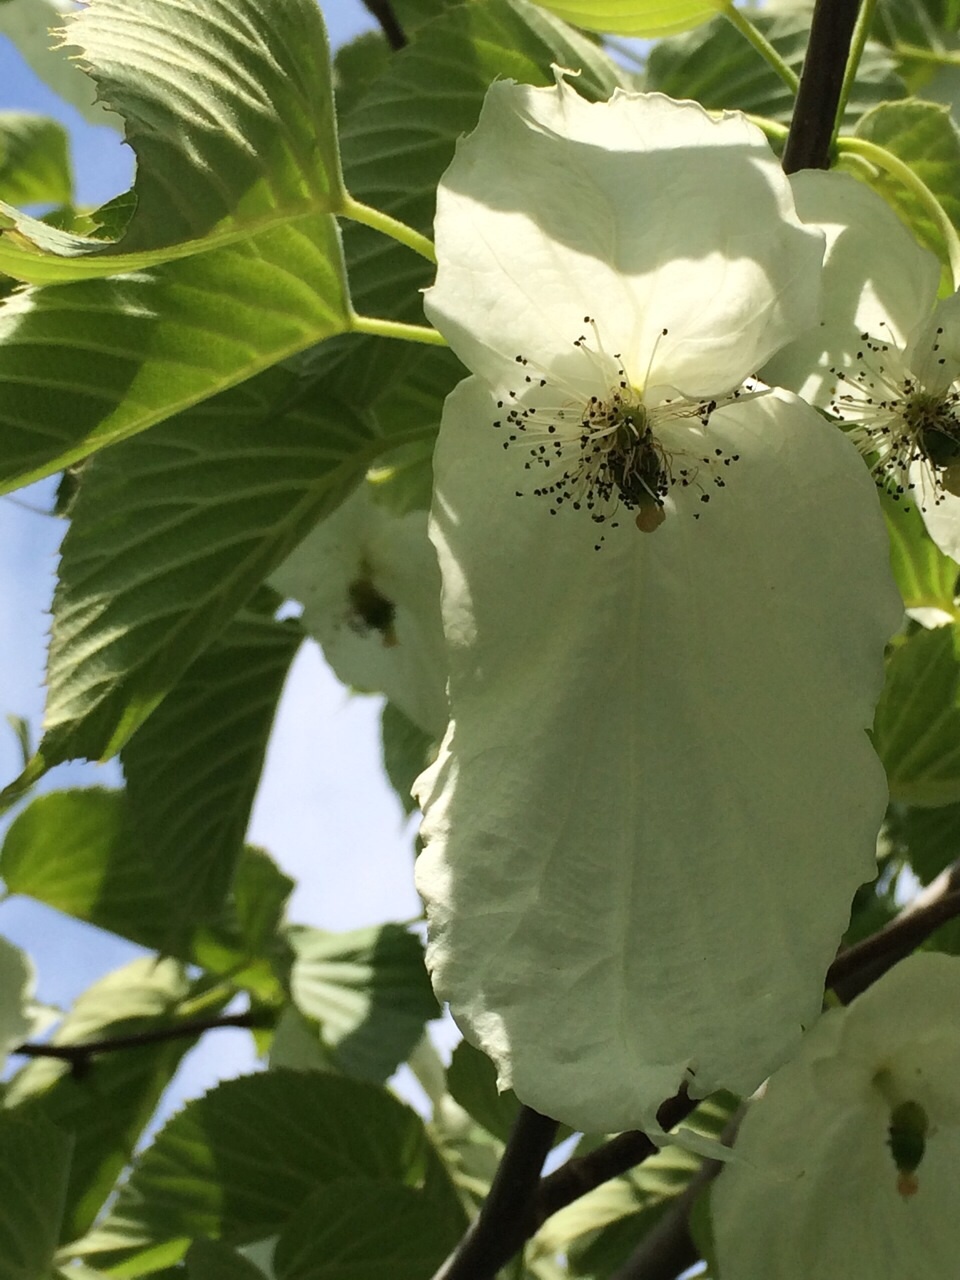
<point>901,422</point>
<point>607,453</point>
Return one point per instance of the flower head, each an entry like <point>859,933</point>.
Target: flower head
<point>849,1159</point>
<point>886,359</point>
<point>622,447</point>
<point>656,794</point>
<point>368,583</point>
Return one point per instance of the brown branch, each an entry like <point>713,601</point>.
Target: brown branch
<point>508,1217</point>
<point>520,1208</point>
<point>382,10</point>
<point>668,1248</point>
<point>862,964</point>
<point>79,1055</point>
<point>578,1176</point>
<point>814,114</point>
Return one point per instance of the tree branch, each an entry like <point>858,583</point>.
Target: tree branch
<point>862,964</point>
<point>79,1055</point>
<point>578,1176</point>
<point>668,1248</point>
<point>516,1208</point>
<point>508,1217</point>
<point>382,10</point>
<point>821,82</point>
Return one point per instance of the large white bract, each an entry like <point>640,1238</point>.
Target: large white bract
<point>656,795</point>
<point>849,1159</point>
<point>886,358</point>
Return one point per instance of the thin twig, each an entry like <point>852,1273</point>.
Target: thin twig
<point>382,10</point>
<point>575,1178</point>
<point>821,83</point>
<point>508,1217</point>
<point>79,1055</point>
<point>862,964</point>
<point>668,1247</point>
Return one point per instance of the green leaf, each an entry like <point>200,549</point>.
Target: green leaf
<point>87,364</point>
<point>193,769</point>
<point>407,750</point>
<point>107,1106</point>
<point>924,136</point>
<point>926,577</point>
<point>931,838</point>
<point>34,160</point>
<point>355,67</point>
<point>20,1018</point>
<point>715,66</point>
<point>238,1163</point>
<point>31,26</point>
<point>170,535</point>
<point>634,17</point>
<point>211,1260</point>
<point>232,141</point>
<point>364,1229</point>
<point>917,727</point>
<point>368,990</point>
<point>78,851</point>
<point>918,22</point>
<point>472,1081</point>
<point>34,1167</point>
<point>414,13</point>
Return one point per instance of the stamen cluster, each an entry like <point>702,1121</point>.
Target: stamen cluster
<point>606,452</point>
<point>901,421</point>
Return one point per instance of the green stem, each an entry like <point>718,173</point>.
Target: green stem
<point>860,33</point>
<point>760,43</point>
<point>397,329</point>
<point>887,161</point>
<point>915,53</point>
<point>391,227</point>
<point>775,131</point>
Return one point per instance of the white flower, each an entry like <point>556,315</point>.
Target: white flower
<point>886,358</point>
<point>849,1161</point>
<point>370,591</point>
<point>656,796</point>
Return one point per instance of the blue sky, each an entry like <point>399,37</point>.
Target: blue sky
<point>324,810</point>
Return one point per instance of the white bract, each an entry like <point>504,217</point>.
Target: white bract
<point>849,1159</point>
<point>370,590</point>
<point>665,598</point>
<point>886,358</point>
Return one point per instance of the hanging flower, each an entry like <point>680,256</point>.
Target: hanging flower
<point>370,590</point>
<point>886,358</point>
<point>849,1159</point>
<point>665,599</point>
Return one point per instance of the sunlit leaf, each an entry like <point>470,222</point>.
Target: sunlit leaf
<point>193,769</point>
<point>234,140</point>
<point>34,162</point>
<point>170,535</point>
<point>635,17</point>
<point>917,726</point>
<point>364,1230</point>
<point>107,1106</point>
<point>34,1168</point>
<point>925,137</point>
<point>207,1175</point>
<point>368,990</point>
